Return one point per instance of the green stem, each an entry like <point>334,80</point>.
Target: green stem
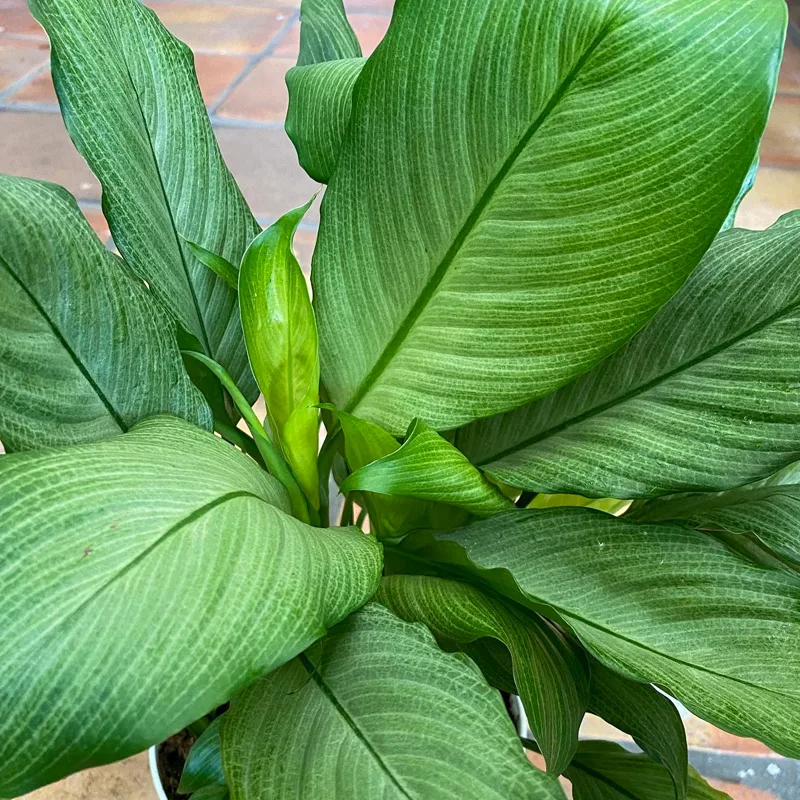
<point>347,512</point>
<point>326,455</point>
<point>362,515</point>
<point>239,438</point>
<point>276,465</point>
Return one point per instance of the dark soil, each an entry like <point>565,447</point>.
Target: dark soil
<point>171,756</point>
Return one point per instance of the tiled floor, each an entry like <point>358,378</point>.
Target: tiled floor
<point>243,49</point>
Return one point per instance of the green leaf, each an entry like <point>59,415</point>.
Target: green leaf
<point>325,33</point>
<point>428,467</point>
<point>659,604</point>
<point>203,766</point>
<point>705,397</point>
<point>376,710</point>
<point>647,715</point>
<point>281,337</point>
<point>85,352</point>
<point>556,170</point>
<point>768,509</point>
<point>551,679</point>
<point>144,580</point>
<point>130,100</point>
<point>606,771</point>
<point>212,793</point>
<point>216,264</point>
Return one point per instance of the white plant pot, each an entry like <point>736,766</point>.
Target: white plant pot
<point>151,754</point>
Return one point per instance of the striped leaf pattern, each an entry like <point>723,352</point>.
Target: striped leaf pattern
<point>203,767</point>
<point>131,103</point>
<point>659,604</point>
<point>144,580</point>
<point>550,677</point>
<point>563,170</point>
<point>428,467</point>
<point>377,710</point>
<point>85,351</point>
<point>706,397</point>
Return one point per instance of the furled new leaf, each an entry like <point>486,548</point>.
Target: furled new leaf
<point>706,397</point>
<point>660,604</point>
<point>281,337</point>
<point>85,351</point>
<point>325,33</point>
<point>556,170</point>
<point>428,467</point>
<point>377,710</point>
<point>130,100</point>
<point>606,771</point>
<point>550,678</point>
<point>144,580</point>
<point>203,766</point>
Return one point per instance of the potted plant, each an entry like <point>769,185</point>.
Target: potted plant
<point>559,395</point>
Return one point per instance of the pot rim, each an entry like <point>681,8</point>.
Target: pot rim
<point>153,760</point>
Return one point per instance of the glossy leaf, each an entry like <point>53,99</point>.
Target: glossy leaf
<point>648,716</point>
<point>130,100</point>
<point>563,170</point>
<point>377,710</point>
<point>281,337</point>
<point>659,604</point>
<point>203,765</point>
<point>159,572</point>
<point>606,771</point>
<point>428,467</point>
<point>550,678</point>
<point>705,397</point>
<point>85,352</point>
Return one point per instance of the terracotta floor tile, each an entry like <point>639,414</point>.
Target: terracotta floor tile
<point>262,95</point>
<point>776,192</point>
<point>17,20</point>
<point>221,28</point>
<point>36,145</point>
<point>265,164</point>
<point>781,144</point>
<point>739,792</point>
<point>19,60</point>
<point>700,734</point>
<point>789,78</point>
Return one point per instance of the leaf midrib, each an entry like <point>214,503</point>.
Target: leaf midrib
<point>472,220</point>
<point>67,347</point>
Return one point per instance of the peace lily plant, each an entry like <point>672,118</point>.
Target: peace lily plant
<point>527,300</point>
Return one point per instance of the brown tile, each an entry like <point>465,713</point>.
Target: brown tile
<point>739,792</point>
<point>94,216</point>
<point>781,143</point>
<point>36,145</point>
<point>125,780</point>
<point>262,95</point>
<point>19,60</point>
<point>701,734</point>
<point>220,28</point>
<point>789,78</point>
<point>370,29</point>
<point>17,20</point>
<point>264,162</point>
<point>215,73</point>
<point>776,192</point>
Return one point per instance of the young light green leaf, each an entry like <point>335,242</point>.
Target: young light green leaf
<point>606,771</point>
<point>428,467</point>
<point>659,604</point>
<point>281,337</point>
<point>131,103</point>
<point>703,398</point>
<point>647,715</point>
<point>85,351</point>
<point>203,766</point>
<point>551,679</point>
<point>544,202</point>
<point>216,264</point>
<point>160,572</point>
<point>362,716</point>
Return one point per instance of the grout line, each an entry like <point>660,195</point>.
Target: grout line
<point>22,82</point>
<point>36,108</point>
<point>253,62</point>
<point>244,122</point>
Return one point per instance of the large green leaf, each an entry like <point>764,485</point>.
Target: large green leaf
<point>85,352</point>
<point>518,198</point>
<point>376,710</point>
<point>551,679</point>
<point>131,103</point>
<point>144,580</point>
<point>428,467</point>
<point>203,767</point>
<point>606,771</point>
<point>281,337</point>
<point>705,397</point>
<point>660,604</point>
